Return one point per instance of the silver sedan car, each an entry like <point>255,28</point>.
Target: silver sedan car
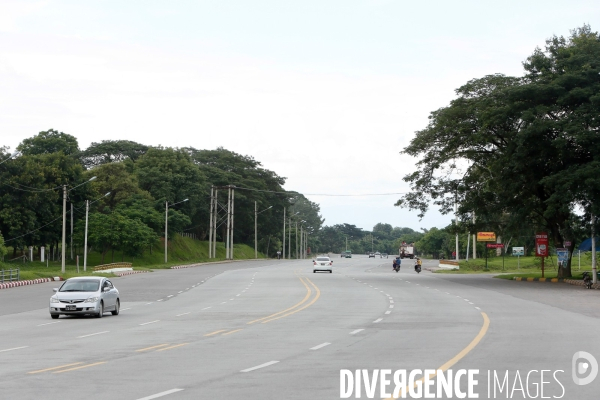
<point>85,295</point>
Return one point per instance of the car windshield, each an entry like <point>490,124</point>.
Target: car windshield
<point>80,286</point>
<point>322,258</point>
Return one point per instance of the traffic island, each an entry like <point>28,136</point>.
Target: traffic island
<point>530,279</point>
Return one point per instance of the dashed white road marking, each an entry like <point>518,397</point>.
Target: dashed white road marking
<point>123,309</point>
<point>354,332</point>
<point>181,291</point>
<point>391,306</point>
<point>171,295</point>
<point>179,315</point>
<point>49,323</point>
<point>151,322</point>
<point>14,348</point>
<point>470,302</point>
<point>388,312</point>
<point>205,308</point>
<point>160,300</point>
<point>259,366</point>
<point>161,394</point>
<point>378,320</point>
<point>478,308</point>
<point>92,334</point>
<point>320,346</point>
<point>224,302</point>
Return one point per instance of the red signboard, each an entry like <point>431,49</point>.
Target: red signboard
<point>541,244</point>
<point>495,245</point>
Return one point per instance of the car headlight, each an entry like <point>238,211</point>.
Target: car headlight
<point>92,299</point>
<point>54,300</point>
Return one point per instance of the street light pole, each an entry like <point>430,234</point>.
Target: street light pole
<point>283,233</point>
<point>167,223</point>
<point>87,210</point>
<point>64,233</point>
<point>256,228</point>
<point>166,226</point>
<point>64,222</point>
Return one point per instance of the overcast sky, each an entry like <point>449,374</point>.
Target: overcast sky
<point>324,93</point>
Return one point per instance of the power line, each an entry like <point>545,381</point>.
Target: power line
<point>321,194</point>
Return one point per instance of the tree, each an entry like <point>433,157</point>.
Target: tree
<point>50,141</point>
<point>517,149</point>
<point>170,175</point>
<point>3,249</point>
<point>110,151</point>
<point>116,179</point>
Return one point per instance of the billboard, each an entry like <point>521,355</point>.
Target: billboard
<point>541,244</point>
<point>518,251</point>
<point>486,237</point>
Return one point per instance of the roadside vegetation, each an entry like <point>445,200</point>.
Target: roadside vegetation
<point>181,251</point>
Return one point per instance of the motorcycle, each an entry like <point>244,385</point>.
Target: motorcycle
<point>587,280</point>
<point>396,268</point>
<point>417,268</point>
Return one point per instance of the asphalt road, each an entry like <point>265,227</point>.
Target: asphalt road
<point>274,329</point>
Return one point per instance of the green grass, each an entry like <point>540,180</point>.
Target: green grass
<point>181,251</point>
<point>523,267</point>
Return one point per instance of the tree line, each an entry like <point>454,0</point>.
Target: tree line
<point>519,154</point>
<point>128,194</point>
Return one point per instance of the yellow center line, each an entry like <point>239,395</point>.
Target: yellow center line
<point>308,293</point>
<point>173,347</point>
<point>154,347</point>
<point>53,368</point>
<point>81,367</point>
<point>456,358</point>
<point>215,332</point>
<point>301,308</point>
<point>230,332</point>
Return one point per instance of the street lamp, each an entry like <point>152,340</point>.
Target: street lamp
<point>16,153</point>
<point>64,221</point>
<point>256,228</point>
<point>167,222</point>
<point>87,210</point>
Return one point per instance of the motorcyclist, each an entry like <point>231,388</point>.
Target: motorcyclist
<point>397,263</point>
<point>418,263</point>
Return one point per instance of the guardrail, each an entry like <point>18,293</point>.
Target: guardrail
<point>112,265</point>
<point>9,275</point>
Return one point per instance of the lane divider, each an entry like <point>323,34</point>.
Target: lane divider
<point>456,358</point>
<point>301,308</point>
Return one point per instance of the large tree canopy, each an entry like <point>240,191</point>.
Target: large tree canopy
<point>518,149</point>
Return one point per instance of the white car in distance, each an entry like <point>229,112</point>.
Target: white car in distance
<point>323,263</point>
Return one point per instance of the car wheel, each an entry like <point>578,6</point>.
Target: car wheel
<point>54,316</point>
<point>314,271</point>
<point>101,311</point>
<point>117,306</point>
<point>330,271</point>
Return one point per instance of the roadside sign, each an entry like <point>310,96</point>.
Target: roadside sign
<point>563,257</point>
<point>541,244</point>
<point>486,236</point>
<point>518,251</point>
<point>567,243</point>
<point>495,245</point>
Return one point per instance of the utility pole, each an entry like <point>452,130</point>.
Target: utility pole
<point>227,239</point>
<point>210,223</point>
<point>290,239</point>
<point>71,231</point>
<point>64,233</point>
<point>474,239</point>
<point>594,267</point>
<point>456,227</point>
<point>255,231</point>
<point>87,210</point>
<point>166,226</point>
<point>232,217</point>
<point>296,239</point>
<point>283,250</point>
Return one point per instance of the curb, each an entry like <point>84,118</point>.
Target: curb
<point>8,285</point>
<point>580,283</point>
<point>553,280</point>
<point>215,262</point>
<point>130,272</point>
